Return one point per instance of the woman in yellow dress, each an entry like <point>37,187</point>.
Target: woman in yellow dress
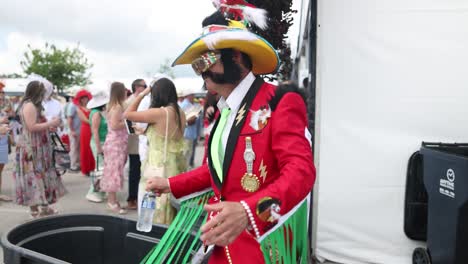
<point>165,135</point>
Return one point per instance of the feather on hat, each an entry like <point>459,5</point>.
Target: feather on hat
<point>236,36</point>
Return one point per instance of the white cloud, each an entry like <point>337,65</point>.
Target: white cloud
<point>121,38</point>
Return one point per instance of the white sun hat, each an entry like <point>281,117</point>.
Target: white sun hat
<point>99,99</point>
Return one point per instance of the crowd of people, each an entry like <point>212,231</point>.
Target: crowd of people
<point>258,159</point>
<point>144,125</point>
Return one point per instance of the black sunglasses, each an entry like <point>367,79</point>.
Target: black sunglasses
<point>142,85</point>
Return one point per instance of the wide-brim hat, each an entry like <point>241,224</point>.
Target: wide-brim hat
<point>99,99</point>
<point>80,94</point>
<point>264,57</point>
<point>184,92</point>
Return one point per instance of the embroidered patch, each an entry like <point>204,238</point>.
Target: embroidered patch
<point>260,117</point>
<point>268,209</point>
<point>262,170</point>
<point>240,114</point>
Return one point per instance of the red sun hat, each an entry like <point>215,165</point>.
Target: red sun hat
<point>80,94</point>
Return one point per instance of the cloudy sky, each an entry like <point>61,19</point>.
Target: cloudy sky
<point>122,38</point>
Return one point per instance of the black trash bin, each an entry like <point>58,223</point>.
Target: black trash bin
<point>445,169</point>
<point>79,238</point>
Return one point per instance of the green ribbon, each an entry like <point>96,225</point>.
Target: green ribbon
<point>287,244</point>
<point>170,248</point>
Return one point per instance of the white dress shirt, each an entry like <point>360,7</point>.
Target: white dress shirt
<point>233,102</point>
<point>52,108</point>
<point>142,139</point>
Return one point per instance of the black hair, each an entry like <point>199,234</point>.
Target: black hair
<point>284,88</point>
<point>163,94</point>
<point>210,100</point>
<point>217,18</point>
<point>232,71</point>
<point>134,84</point>
<point>305,82</point>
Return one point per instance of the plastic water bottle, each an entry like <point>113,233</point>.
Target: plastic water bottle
<point>145,219</point>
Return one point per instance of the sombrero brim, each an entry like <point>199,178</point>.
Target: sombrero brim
<point>264,57</point>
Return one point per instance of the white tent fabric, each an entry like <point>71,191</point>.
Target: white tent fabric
<point>391,73</point>
<point>15,86</point>
<point>189,85</point>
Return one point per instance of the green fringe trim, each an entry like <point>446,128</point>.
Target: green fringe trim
<point>289,243</point>
<point>177,244</point>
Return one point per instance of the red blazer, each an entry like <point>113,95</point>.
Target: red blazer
<point>283,164</point>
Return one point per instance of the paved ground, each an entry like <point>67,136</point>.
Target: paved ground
<point>74,202</point>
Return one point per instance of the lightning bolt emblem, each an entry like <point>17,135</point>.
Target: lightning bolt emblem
<point>240,115</point>
<point>263,171</point>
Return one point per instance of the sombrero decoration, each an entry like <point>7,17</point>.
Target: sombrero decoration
<point>240,10</point>
<point>264,57</point>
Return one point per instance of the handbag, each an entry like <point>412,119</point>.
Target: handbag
<point>96,176</point>
<point>60,154</point>
<point>160,171</point>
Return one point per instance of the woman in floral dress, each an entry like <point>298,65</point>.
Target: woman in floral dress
<point>37,183</point>
<point>115,147</point>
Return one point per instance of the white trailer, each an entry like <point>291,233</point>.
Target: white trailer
<point>386,75</point>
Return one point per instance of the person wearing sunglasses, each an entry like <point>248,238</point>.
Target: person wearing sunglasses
<point>134,173</point>
<point>260,164</point>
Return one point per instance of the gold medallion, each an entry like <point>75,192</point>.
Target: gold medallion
<point>250,182</point>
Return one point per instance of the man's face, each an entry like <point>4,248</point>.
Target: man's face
<point>140,87</point>
<point>216,70</point>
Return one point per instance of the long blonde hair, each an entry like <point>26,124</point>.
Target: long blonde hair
<point>117,95</point>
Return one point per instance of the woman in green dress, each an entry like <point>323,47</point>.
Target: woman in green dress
<point>98,123</point>
<point>163,111</point>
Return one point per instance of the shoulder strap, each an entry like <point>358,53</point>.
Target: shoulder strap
<point>165,136</point>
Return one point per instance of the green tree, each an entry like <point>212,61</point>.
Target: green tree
<point>63,67</point>
<point>165,68</point>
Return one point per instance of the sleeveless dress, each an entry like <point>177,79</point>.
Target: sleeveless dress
<point>102,137</point>
<point>115,157</point>
<point>36,180</point>
<point>86,155</point>
<point>175,164</point>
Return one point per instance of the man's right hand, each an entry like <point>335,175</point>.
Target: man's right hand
<point>158,185</point>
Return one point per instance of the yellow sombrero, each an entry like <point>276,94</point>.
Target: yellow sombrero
<point>264,57</point>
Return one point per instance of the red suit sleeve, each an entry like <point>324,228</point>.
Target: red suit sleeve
<point>292,150</point>
<point>190,182</point>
